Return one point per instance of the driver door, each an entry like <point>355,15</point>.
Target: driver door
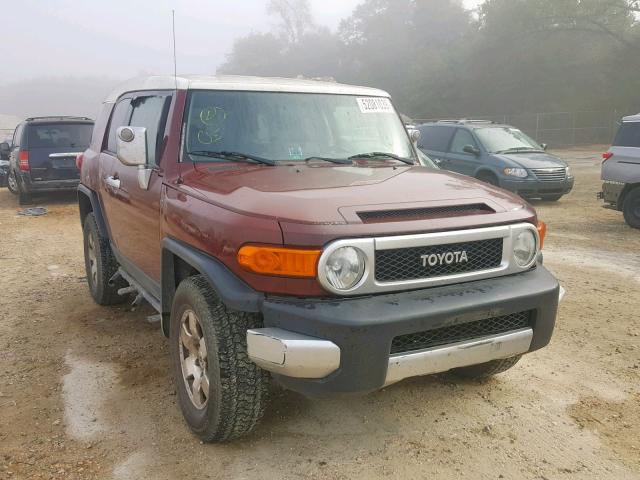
<point>457,159</point>
<point>133,212</point>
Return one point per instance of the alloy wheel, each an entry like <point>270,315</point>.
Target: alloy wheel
<point>193,359</point>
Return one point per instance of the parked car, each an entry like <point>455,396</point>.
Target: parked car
<point>312,249</point>
<point>497,154</point>
<point>621,171</point>
<point>43,154</point>
<point>4,163</point>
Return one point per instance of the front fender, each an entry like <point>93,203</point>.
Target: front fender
<point>234,293</point>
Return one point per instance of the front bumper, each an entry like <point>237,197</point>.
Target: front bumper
<point>533,188</point>
<point>353,336</point>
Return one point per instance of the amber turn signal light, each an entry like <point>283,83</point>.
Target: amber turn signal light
<point>286,262</point>
<point>542,232</point>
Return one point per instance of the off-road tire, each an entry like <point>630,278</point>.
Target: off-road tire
<point>485,370</point>
<point>631,208</point>
<point>237,392</point>
<point>106,265</point>
<point>15,187</point>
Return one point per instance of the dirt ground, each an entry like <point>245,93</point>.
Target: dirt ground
<point>85,391</point>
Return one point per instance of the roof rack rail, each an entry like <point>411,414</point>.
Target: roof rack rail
<point>465,120</point>
<point>58,117</point>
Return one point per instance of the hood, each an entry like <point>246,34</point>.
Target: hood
<point>531,160</point>
<point>322,194</point>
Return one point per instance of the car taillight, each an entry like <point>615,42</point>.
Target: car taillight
<point>606,156</point>
<point>79,160</point>
<point>23,160</point>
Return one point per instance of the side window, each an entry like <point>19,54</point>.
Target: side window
<point>461,139</point>
<point>628,135</point>
<point>119,118</point>
<point>150,113</point>
<point>434,138</point>
<point>17,136</point>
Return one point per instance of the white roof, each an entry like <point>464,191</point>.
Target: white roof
<point>234,82</point>
<point>632,118</point>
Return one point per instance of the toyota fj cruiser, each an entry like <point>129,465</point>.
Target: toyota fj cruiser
<point>283,228</point>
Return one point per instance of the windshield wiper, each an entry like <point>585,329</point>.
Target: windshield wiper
<point>342,161</point>
<point>408,161</point>
<point>519,149</point>
<point>232,155</point>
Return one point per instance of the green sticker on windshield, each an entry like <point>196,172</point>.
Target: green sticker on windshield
<point>213,119</point>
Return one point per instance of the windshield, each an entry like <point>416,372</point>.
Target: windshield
<point>500,139</point>
<point>292,126</point>
<point>60,135</point>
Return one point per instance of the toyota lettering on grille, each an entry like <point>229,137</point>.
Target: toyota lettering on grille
<point>444,258</point>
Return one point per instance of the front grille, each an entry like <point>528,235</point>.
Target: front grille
<point>424,213</point>
<point>550,174</point>
<point>460,332</point>
<point>409,263</point>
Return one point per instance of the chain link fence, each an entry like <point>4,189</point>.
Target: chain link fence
<point>560,129</point>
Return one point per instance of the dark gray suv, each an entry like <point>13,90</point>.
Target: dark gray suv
<point>498,154</point>
<point>42,154</point>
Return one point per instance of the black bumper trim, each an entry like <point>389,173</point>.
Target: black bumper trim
<point>364,327</point>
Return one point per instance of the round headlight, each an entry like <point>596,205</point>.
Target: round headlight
<point>524,248</point>
<point>344,268</point>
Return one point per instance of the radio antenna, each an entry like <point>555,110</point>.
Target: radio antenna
<point>175,62</point>
<point>175,78</point>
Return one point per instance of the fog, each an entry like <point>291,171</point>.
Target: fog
<point>436,57</point>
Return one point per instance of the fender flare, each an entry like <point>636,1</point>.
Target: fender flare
<point>96,208</point>
<point>234,293</point>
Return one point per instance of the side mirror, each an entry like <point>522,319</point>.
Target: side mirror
<point>544,146</point>
<point>131,143</point>
<point>132,146</point>
<point>414,135</point>
<point>471,149</point>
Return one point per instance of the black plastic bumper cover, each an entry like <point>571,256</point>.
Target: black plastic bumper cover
<point>364,327</point>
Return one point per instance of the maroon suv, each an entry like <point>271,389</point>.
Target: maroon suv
<point>289,229</point>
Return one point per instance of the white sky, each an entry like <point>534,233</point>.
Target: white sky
<point>124,38</point>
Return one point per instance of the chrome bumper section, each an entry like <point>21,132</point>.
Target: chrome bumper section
<point>300,356</point>
<point>461,354</point>
<point>291,354</point>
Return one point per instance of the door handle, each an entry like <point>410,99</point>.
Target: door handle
<point>112,182</point>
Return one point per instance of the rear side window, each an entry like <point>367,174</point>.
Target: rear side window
<point>59,135</point>
<point>119,118</point>
<point>17,136</point>
<point>150,113</point>
<point>435,137</point>
<point>628,135</point>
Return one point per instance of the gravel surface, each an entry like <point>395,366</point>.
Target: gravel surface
<point>85,391</point>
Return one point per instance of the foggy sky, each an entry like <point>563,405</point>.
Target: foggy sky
<point>124,38</point>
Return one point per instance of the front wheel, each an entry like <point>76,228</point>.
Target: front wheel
<point>222,394</point>
<point>631,208</point>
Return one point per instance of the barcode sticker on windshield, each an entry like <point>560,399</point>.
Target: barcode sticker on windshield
<point>375,105</point>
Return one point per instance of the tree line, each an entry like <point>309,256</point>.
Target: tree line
<point>439,59</point>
